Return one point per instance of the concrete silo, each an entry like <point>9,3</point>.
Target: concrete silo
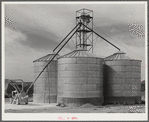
<point>80,74</point>
<point>122,79</point>
<point>80,79</point>
<point>45,88</point>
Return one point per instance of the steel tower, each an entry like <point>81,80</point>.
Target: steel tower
<point>84,36</point>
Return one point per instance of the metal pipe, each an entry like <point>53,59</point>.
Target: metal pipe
<point>52,58</point>
<point>101,37</point>
<point>76,33</point>
<point>92,35</point>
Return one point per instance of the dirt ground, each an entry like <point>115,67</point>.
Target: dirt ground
<point>86,108</point>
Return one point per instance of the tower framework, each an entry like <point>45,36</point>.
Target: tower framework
<point>84,36</point>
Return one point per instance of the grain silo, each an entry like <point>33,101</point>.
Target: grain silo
<point>80,79</point>
<point>80,73</point>
<point>122,79</point>
<point>45,88</point>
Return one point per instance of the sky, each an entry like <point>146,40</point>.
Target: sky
<point>34,30</point>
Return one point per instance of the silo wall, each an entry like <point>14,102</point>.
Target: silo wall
<point>45,88</point>
<point>80,81</point>
<point>122,81</point>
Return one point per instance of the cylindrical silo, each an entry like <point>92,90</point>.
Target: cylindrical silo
<point>122,79</point>
<point>80,79</point>
<point>45,88</point>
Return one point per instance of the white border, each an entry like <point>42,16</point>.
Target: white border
<point>146,60</point>
<point>82,116</point>
<point>3,57</point>
<point>81,2</point>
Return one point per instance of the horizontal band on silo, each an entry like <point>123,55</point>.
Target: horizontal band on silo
<point>113,93</point>
<point>80,94</point>
<point>123,100</point>
<point>119,86</point>
<point>44,98</point>
<point>99,61</point>
<point>91,61</point>
<point>72,67</point>
<point>72,87</point>
<point>81,87</point>
<point>67,61</point>
<point>72,94</point>
<point>38,99</point>
<point>41,91</point>
<point>123,62</point>
<point>95,80</point>
<point>131,93</point>
<point>53,99</point>
<point>74,80</point>
<point>91,74</point>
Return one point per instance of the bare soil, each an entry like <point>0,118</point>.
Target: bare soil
<point>86,108</point>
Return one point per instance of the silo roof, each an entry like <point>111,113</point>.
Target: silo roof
<point>118,56</point>
<point>78,53</point>
<point>46,58</point>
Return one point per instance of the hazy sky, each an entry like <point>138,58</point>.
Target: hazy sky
<point>34,30</point>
